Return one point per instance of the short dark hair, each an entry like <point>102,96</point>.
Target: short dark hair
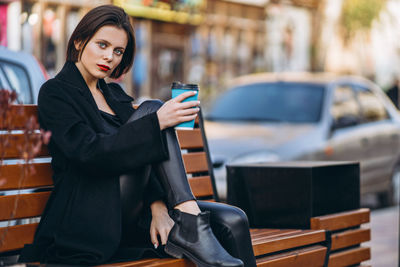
<point>105,15</point>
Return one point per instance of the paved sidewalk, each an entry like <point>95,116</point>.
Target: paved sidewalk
<point>385,237</point>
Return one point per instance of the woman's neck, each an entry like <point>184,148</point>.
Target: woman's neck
<point>91,81</point>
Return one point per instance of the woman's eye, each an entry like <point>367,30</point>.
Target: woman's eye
<point>102,45</point>
<point>118,52</point>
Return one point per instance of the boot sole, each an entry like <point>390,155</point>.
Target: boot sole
<point>178,252</point>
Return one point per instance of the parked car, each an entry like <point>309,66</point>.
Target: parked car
<point>304,116</point>
<point>21,72</point>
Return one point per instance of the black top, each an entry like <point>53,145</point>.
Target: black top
<point>81,223</point>
<point>111,122</point>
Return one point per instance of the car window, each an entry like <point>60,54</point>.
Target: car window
<point>281,101</point>
<point>372,108</point>
<point>3,81</point>
<point>18,80</point>
<point>345,104</point>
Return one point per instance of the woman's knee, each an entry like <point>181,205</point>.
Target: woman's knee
<point>235,219</point>
<point>151,105</point>
<point>146,108</point>
<point>229,216</point>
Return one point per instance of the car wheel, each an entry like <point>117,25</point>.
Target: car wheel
<point>392,195</point>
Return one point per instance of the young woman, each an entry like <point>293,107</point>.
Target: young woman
<point>118,171</point>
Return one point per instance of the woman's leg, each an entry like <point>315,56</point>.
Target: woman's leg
<point>171,172</point>
<point>184,238</point>
<point>231,227</point>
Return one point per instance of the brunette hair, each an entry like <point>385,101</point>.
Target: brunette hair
<point>105,15</point>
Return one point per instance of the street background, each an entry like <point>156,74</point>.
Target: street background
<point>385,233</point>
<point>210,42</point>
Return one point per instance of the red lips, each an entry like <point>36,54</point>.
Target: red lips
<point>103,67</point>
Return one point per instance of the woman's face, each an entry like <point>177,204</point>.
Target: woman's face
<point>103,53</point>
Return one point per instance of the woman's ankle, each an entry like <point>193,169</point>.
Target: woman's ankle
<point>190,207</point>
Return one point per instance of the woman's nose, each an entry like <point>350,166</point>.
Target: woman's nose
<point>108,55</point>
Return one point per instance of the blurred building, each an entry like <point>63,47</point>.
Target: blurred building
<point>163,31</point>
<point>230,42</point>
<point>291,32</point>
<point>42,27</point>
<point>204,42</point>
<point>196,41</point>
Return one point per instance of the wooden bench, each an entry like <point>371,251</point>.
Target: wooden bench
<point>346,235</point>
<point>272,247</point>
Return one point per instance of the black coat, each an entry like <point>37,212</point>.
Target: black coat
<point>82,220</point>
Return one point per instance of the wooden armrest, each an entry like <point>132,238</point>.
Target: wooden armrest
<point>341,220</point>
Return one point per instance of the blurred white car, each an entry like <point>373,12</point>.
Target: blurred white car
<point>284,117</point>
<point>22,73</point>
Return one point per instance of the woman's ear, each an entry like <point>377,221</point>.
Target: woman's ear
<point>78,45</point>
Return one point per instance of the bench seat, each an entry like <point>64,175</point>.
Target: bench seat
<point>272,247</point>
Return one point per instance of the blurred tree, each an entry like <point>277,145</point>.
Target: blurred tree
<point>354,20</point>
<point>358,15</point>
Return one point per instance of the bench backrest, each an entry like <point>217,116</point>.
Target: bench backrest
<point>25,188</point>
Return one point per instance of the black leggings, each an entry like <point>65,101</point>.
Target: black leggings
<point>228,223</point>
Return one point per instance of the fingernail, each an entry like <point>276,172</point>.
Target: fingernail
<point>155,245</point>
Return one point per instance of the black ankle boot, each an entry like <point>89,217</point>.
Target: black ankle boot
<point>193,238</point>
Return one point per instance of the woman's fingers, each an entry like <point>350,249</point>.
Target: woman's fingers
<point>163,232</point>
<point>188,111</point>
<point>153,236</point>
<point>184,95</point>
<point>164,236</point>
<point>174,111</point>
<point>189,104</point>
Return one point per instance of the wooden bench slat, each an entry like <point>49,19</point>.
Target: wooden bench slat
<point>201,186</point>
<point>341,220</point>
<point>279,233</point>
<point>153,262</point>
<point>195,162</point>
<point>11,175</point>
<point>16,141</point>
<point>190,139</point>
<point>306,257</point>
<point>19,115</point>
<point>17,236</point>
<point>28,205</point>
<point>126,264</point>
<point>254,232</point>
<point>350,238</point>
<point>273,244</point>
<point>349,257</point>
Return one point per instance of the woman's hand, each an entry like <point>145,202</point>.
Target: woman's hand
<point>161,223</point>
<point>174,111</point>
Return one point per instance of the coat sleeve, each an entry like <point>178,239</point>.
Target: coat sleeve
<point>133,145</point>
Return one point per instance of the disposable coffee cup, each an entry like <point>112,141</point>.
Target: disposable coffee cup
<point>178,88</point>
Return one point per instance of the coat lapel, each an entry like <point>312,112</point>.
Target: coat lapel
<point>71,75</point>
<point>122,107</point>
